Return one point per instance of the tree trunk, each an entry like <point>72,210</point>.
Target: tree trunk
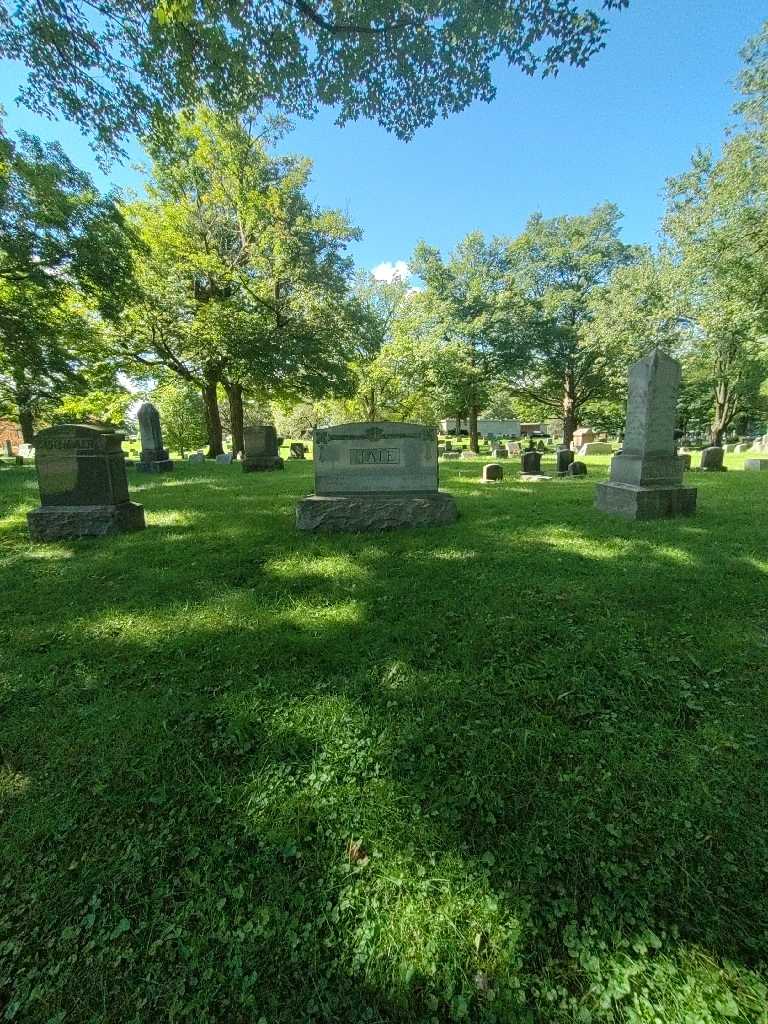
<point>27,424</point>
<point>212,419</point>
<point>474,443</point>
<point>725,410</point>
<point>235,396</point>
<point>569,409</point>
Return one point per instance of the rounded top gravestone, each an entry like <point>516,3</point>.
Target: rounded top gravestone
<point>492,473</point>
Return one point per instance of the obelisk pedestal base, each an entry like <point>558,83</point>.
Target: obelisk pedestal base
<point>632,502</point>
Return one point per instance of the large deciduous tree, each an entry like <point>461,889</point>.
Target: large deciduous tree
<point>65,268</point>
<point>119,67</point>
<point>244,282</point>
<point>559,265</point>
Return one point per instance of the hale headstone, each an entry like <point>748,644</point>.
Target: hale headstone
<point>83,485</point>
<point>153,458</point>
<point>375,476</point>
<point>646,479</point>
<point>712,460</point>
<point>261,449</point>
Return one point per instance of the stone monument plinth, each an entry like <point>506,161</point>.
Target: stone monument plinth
<point>153,458</point>
<point>375,476</point>
<point>83,485</point>
<point>646,478</point>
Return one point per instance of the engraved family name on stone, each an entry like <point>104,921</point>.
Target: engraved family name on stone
<point>371,456</point>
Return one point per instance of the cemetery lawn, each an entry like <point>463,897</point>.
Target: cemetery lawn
<point>510,770</point>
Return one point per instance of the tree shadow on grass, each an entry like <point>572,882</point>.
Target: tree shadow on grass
<point>547,732</point>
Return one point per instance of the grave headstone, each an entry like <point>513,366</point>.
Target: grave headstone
<point>196,457</point>
<point>712,460</point>
<point>685,461</point>
<point>564,457</point>
<point>577,469</point>
<point>298,450</point>
<point>261,449</point>
<point>83,484</point>
<point>467,453</point>
<point>452,455</point>
<point>744,446</point>
<point>758,464</point>
<point>9,449</point>
<point>646,479</point>
<point>500,453</point>
<point>224,459</point>
<point>492,473</point>
<point>596,448</point>
<point>375,476</point>
<point>153,458</point>
<point>531,462</point>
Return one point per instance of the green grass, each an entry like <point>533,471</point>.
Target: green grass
<point>510,770</point>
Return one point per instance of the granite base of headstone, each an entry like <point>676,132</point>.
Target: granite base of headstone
<point>577,469</point>
<point>493,473</point>
<point>261,451</point>
<point>375,476</point>
<point>646,479</point>
<point>712,460</point>
<point>564,458</point>
<point>83,485</point>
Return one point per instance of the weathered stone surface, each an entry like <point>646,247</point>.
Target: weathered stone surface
<point>744,446</point>
<point>375,458</point>
<point>468,454</point>
<point>500,453</point>
<point>224,459</point>
<point>596,448</point>
<point>452,455</point>
<point>372,512</point>
<point>564,458</point>
<point>531,463</point>
<point>712,460</point>
<point>78,464</point>
<point>196,457</point>
<point>156,466</point>
<point>68,522</point>
<point>758,464</point>
<point>533,478</point>
<point>492,473</point>
<point>633,502</point>
<point>577,469</point>
<point>261,449</point>
<point>646,478</point>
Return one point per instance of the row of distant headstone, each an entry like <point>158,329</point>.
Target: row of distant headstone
<point>368,476</point>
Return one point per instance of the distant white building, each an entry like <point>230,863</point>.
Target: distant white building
<point>499,428</point>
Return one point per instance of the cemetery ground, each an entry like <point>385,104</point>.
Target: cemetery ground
<point>509,770</point>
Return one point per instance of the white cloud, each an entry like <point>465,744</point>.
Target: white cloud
<point>397,271</point>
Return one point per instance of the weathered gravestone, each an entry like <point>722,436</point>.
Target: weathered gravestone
<point>468,454</point>
<point>298,450</point>
<point>375,476</point>
<point>744,446</point>
<point>224,459</point>
<point>153,458</point>
<point>452,455</point>
<point>196,457</point>
<point>646,479</point>
<point>531,462</point>
<point>492,473</point>
<point>758,464</point>
<point>500,453</point>
<point>712,460</point>
<point>577,469</point>
<point>261,449</point>
<point>83,485</point>
<point>685,461</point>
<point>564,457</point>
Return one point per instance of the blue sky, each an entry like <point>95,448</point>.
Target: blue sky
<point>611,131</point>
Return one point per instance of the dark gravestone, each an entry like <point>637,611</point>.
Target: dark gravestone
<point>712,460</point>
<point>9,449</point>
<point>577,469</point>
<point>531,462</point>
<point>564,459</point>
<point>83,485</point>
<point>261,449</point>
<point>153,458</point>
<point>298,450</point>
<point>492,473</point>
